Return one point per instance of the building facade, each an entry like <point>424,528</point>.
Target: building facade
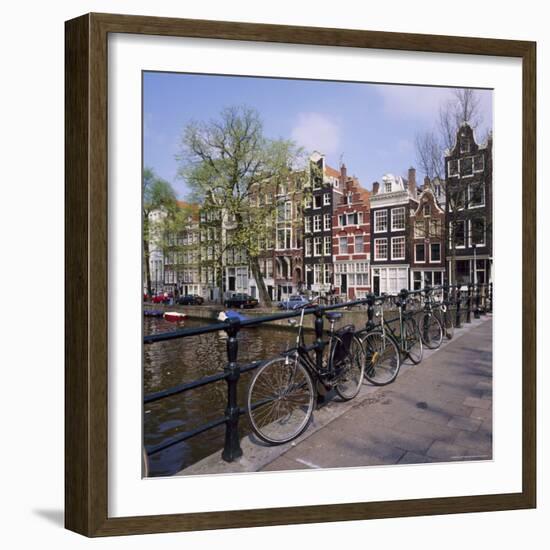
<point>391,204</point>
<point>468,212</point>
<point>427,240</point>
<point>351,239</point>
<point>320,194</point>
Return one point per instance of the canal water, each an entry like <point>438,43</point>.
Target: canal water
<point>166,364</point>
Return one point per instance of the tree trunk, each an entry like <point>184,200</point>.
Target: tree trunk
<point>265,299</point>
<point>146,256</point>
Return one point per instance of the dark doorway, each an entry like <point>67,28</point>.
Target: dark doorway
<point>344,285</point>
<point>376,284</point>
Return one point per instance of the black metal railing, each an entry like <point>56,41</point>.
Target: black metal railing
<point>459,297</point>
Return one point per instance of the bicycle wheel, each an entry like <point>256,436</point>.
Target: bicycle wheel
<point>431,330</point>
<point>449,323</point>
<point>382,359</point>
<point>280,400</point>
<point>412,340</point>
<point>350,368</point>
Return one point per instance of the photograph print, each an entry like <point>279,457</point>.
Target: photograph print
<point>317,274</point>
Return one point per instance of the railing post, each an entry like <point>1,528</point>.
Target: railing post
<point>370,311</point>
<point>469,304</point>
<point>490,308</point>
<point>458,295</point>
<point>484,299</point>
<point>476,311</point>
<point>232,447</point>
<point>320,344</point>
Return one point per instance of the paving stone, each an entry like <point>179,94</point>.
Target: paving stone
<point>476,402</point>
<point>413,458</point>
<point>482,414</point>
<point>464,423</point>
<point>283,463</point>
<point>443,451</point>
<point>480,440</point>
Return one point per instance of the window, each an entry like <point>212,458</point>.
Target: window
<point>435,228</point>
<point>342,220</point>
<point>307,224</point>
<point>352,219</point>
<point>326,220</point>
<point>479,163</point>
<point>380,221</point>
<point>435,252</point>
<point>343,245</point>
<point>476,192</point>
<point>326,251</point>
<point>387,186</point>
<point>359,244</point>
<point>349,198</point>
<point>316,223</point>
<point>465,144</point>
<point>419,229</point>
<point>438,279</point>
<point>427,210</point>
<point>288,210</point>
<point>419,253</point>
<point>308,247</point>
<point>380,249</point>
<point>317,246</point>
<point>397,219</point>
<point>452,167</point>
<point>360,218</point>
<point>467,166</point>
<point>317,201</point>
<point>457,199</point>
<point>398,248</point>
<point>308,201</point>
<point>477,231</point>
<point>326,199</point>
<point>417,280</point>
<point>460,234</point>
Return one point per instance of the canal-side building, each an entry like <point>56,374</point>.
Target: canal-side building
<point>320,193</point>
<point>391,203</point>
<point>427,239</point>
<point>288,252</point>
<point>351,239</point>
<point>211,252</point>
<point>468,212</point>
<point>182,253</point>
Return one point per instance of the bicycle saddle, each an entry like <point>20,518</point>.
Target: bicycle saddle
<point>333,315</point>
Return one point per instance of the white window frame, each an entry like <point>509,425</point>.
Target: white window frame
<point>482,205</point>
<point>317,245</point>
<point>308,247</point>
<point>454,174</point>
<point>326,222</point>
<point>482,156</point>
<point>432,261</point>
<point>359,218</point>
<point>416,260</point>
<point>340,240</point>
<point>376,221</point>
<point>307,224</point>
<point>362,244</point>
<point>466,175</point>
<point>376,257</point>
<point>326,199</point>
<point>317,223</point>
<point>326,246</point>
<point>454,236</point>
<point>395,211</point>
<point>393,239</point>
<point>484,243</point>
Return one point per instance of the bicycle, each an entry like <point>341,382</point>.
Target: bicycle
<point>282,392</point>
<point>384,349</point>
<point>445,315</point>
<point>431,327</point>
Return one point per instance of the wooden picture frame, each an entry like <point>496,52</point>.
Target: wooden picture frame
<point>86,280</point>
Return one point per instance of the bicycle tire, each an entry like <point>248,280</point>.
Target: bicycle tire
<point>351,369</point>
<point>280,400</point>
<point>382,357</point>
<point>432,335</point>
<point>413,340</point>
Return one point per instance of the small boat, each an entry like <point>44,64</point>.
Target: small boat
<point>174,316</point>
<point>230,314</point>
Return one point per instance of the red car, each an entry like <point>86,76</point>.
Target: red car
<point>161,298</point>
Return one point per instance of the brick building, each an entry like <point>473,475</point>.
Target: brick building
<point>427,240</point>
<point>351,239</point>
<point>468,212</point>
<point>390,207</point>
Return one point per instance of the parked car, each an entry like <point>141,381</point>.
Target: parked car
<point>295,301</point>
<point>241,301</point>
<point>162,298</point>
<point>190,300</point>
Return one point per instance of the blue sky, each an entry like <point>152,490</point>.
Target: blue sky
<point>372,127</point>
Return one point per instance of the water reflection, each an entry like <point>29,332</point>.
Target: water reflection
<point>178,361</point>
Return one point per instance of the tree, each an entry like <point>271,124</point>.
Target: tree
<point>431,149</point>
<point>230,165</point>
<point>158,195</point>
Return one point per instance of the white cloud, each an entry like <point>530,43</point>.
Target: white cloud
<point>317,132</point>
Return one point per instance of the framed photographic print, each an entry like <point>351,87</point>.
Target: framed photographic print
<point>300,279</point>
